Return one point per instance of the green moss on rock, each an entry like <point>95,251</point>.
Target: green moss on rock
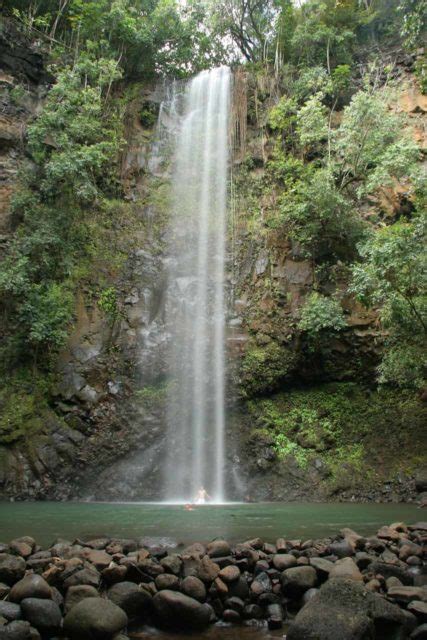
<point>356,436</point>
<point>264,367</point>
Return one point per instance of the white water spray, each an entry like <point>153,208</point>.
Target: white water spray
<point>195,298</point>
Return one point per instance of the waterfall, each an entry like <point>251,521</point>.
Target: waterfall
<point>195,295</point>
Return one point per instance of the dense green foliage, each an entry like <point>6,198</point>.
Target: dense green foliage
<point>338,428</point>
<point>338,145</point>
<point>392,275</point>
<point>323,96</point>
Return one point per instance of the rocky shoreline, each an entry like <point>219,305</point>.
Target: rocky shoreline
<point>347,587</point>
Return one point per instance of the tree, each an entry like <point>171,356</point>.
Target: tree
<point>373,147</point>
<point>392,277</point>
<point>247,22</point>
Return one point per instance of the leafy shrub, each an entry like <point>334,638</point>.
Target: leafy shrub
<point>321,314</point>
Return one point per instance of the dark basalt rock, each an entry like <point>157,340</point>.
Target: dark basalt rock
<point>345,610</point>
<point>12,568</point>
<point>297,580</point>
<point>131,598</point>
<point>94,618</point>
<point>176,610</point>
<point>10,611</point>
<point>78,593</point>
<point>43,614</point>
<point>31,586</point>
<point>362,597</point>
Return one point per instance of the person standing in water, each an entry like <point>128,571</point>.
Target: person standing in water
<point>202,496</point>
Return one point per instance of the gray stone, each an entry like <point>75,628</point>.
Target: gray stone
<point>31,586</point>
<point>282,561</point>
<point>172,564</point>
<point>130,597</point>
<point>207,570</point>
<point>407,594</point>
<point>78,593</point>
<point>12,568</point>
<point>239,589</point>
<point>345,610</point>
<point>218,549</point>
<point>346,568</point>
<point>323,567</point>
<point>167,581</point>
<point>419,609</point>
<point>16,630</point>
<point>261,584</point>
<point>229,573</point>
<point>274,616</point>
<point>84,576</point>
<point>420,633</point>
<point>10,610</point>
<point>43,614</point>
<point>388,570</point>
<point>297,580</point>
<point>177,610</point>
<point>231,616</point>
<point>194,588</point>
<point>341,549</point>
<point>93,619</point>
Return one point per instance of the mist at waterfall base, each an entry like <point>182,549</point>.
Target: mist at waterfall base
<point>195,301</point>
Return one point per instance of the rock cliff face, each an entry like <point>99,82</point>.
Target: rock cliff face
<point>103,436</point>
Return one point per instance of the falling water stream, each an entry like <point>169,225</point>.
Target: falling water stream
<point>195,305</point>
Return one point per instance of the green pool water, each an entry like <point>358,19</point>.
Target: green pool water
<point>46,521</point>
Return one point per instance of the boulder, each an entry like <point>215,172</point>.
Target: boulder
<point>167,581</point>
<point>12,568</point>
<point>218,549</point>
<point>43,614</point>
<point>100,559</point>
<point>274,616</point>
<point>114,573</point>
<point>239,589</point>
<point>229,573</point>
<point>387,570</point>
<point>172,564</point>
<point>346,568</point>
<point>345,610</point>
<point>177,610</point>
<point>342,548</point>
<point>261,584</point>
<point>282,561</point>
<point>297,580</point>
<point>323,567</point>
<point>420,633</point>
<point>231,616</point>
<point>78,593</point>
<point>31,586</point>
<point>194,588</point>
<point>93,619</point>
<point>407,594</point>
<point>84,576</point>
<point>10,611</point>
<point>21,547</point>
<point>131,598</point>
<point>18,630</point>
<point>207,570</point>
<point>419,609</point>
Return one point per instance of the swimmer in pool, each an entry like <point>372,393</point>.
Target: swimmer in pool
<point>202,496</point>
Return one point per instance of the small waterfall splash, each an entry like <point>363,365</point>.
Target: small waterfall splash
<point>195,306</point>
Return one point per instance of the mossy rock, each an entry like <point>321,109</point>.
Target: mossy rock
<point>264,368</point>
